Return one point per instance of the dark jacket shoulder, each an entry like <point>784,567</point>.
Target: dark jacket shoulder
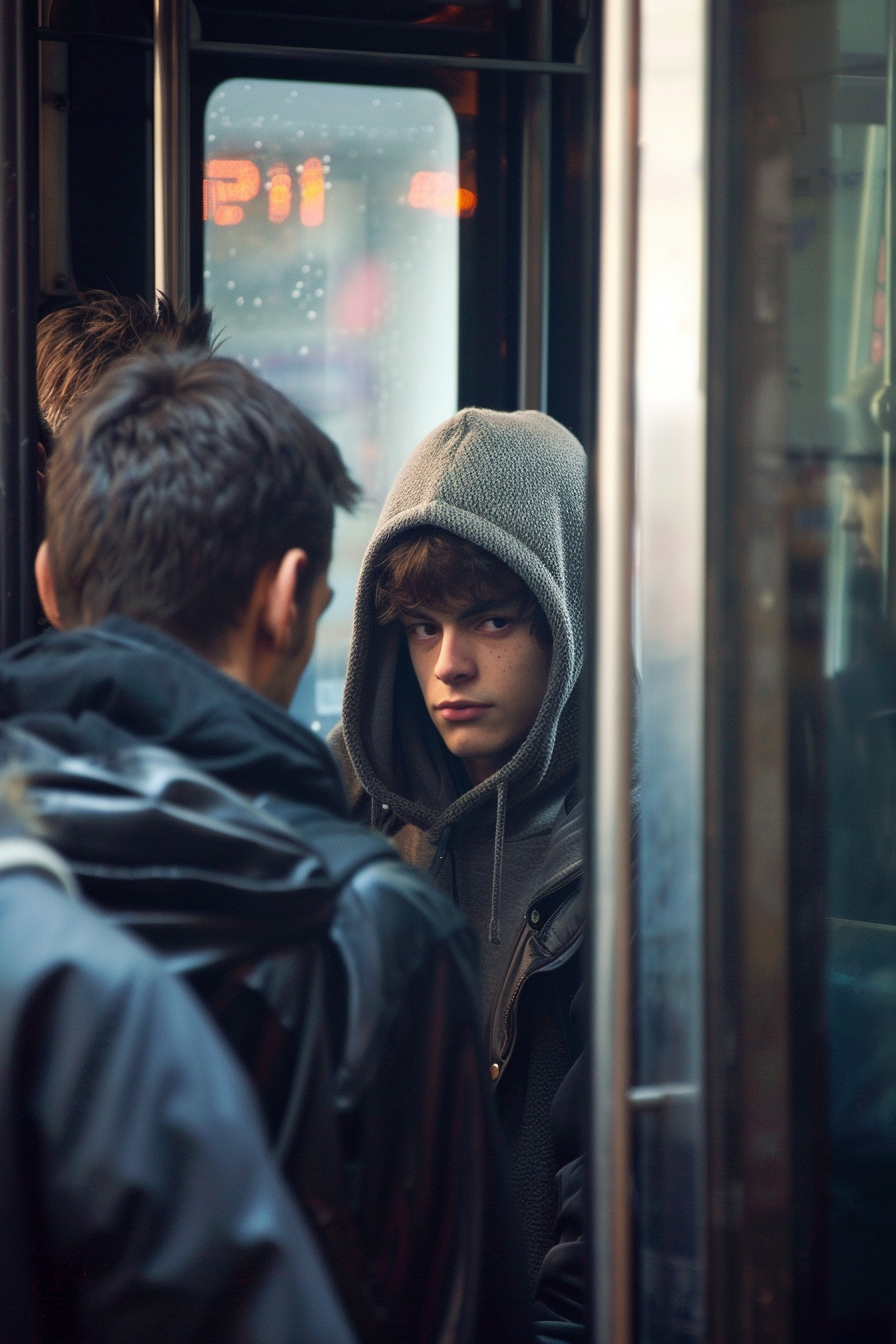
<point>120,1112</point>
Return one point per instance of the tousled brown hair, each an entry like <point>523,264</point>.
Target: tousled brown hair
<point>176,480</point>
<point>429,567</point>
<point>76,344</point>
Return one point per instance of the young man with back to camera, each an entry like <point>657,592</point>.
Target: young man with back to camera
<point>189,526</point>
<point>460,741</point>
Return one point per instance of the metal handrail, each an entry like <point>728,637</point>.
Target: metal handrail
<point>171,111</point>
<point>535,234</point>
<point>610,849</point>
<point>494,65</point>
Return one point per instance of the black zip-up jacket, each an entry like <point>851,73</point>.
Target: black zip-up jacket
<point>180,797</point>
<point>138,1201</point>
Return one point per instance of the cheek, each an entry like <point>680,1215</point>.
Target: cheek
<point>421,661</point>
<point>525,672</point>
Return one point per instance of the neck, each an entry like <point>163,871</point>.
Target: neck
<point>480,768</point>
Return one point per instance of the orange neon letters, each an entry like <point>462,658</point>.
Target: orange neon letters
<point>311,204</point>
<point>435,191</point>
<point>226,182</point>
<point>280,193</point>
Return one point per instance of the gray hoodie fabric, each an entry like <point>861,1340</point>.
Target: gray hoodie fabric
<point>514,484</point>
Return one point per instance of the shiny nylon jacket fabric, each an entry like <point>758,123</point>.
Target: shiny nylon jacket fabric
<point>341,978</point>
<point>138,1202</point>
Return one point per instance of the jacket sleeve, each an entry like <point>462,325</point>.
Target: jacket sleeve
<point>162,1215</point>
<point>560,1307</point>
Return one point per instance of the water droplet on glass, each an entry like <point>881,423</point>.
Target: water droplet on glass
<point>240,302</point>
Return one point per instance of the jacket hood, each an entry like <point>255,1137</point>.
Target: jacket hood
<point>121,684</point>
<point>513,483</point>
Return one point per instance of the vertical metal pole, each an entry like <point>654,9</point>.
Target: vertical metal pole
<point>536,216</point>
<point>612,711</point>
<point>887,407</point>
<point>171,112</point>
<point>887,404</point>
<point>55,232</point>
<point>18,314</point>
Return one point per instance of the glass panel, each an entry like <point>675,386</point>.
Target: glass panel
<point>670,416</point>
<point>331,262</point>
<point>828,90</point>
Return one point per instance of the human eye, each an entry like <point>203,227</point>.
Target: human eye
<point>422,630</point>
<point>492,625</point>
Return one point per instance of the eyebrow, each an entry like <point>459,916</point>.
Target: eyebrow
<point>477,609</point>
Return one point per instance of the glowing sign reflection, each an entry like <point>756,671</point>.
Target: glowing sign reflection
<point>312,192</point>
<point>227,181</point>
<point>434,191</point>
<point>279,193</point>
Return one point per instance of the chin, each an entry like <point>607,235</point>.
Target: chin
<point>465,746</point>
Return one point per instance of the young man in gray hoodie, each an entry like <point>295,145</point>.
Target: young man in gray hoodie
<point>460,741</point>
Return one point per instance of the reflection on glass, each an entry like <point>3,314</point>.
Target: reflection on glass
<point>331,262</point>
<point>669,601</point>
<point>842,641</point>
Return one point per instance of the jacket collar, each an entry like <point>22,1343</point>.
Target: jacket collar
<point>551,933</point>
<point>121,683</point>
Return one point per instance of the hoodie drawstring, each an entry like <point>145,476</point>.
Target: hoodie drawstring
<point>494,925</point>
<point>438,858</point>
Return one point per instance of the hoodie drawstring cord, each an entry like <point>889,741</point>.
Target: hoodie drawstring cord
<point>438,858</point>
<point>494,925</point>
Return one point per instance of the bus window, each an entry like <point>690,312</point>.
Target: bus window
<point>331,263</point>
<point>827,179</point>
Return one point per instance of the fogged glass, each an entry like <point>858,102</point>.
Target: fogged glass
<point>331,262</point>
<point>842,581</point>
<point>670,464</point>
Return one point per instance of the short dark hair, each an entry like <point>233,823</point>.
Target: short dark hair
<point>429,567</point>
<point>76,344</point>
<point>175,482</point>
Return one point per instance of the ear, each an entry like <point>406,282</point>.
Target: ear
<point>45,585</point>
<point>280,609</point>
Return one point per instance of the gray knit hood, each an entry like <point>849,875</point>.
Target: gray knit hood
<point>514,484</point>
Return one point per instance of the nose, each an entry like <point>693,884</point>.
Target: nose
<point>455,662</point>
